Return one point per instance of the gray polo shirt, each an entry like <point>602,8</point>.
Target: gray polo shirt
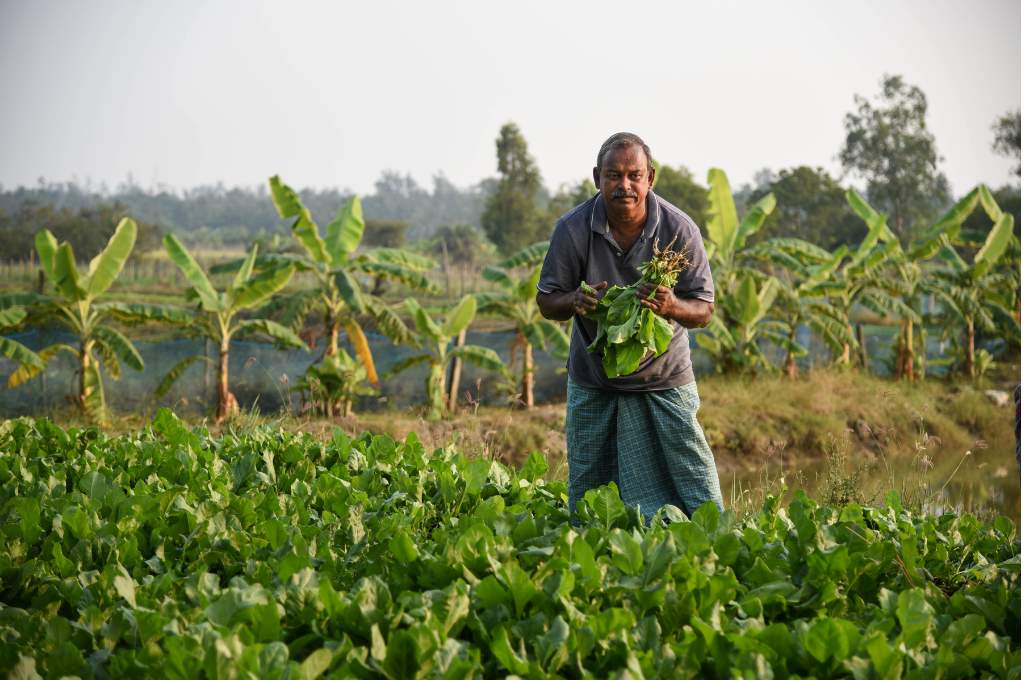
<point>583,249</point>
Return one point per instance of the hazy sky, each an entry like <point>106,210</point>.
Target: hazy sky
<point>332,93</point>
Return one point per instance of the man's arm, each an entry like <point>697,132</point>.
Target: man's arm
<point>562,306</point>
<point>687,312</point>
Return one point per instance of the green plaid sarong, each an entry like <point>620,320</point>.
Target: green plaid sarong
<point>649,443</point>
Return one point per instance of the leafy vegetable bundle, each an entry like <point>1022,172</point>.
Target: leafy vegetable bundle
<point>626,330</point>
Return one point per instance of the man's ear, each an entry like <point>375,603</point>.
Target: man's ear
<point>597,177</point>
<point>650,176</point>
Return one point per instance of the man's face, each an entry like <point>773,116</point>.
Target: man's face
<point>624,179</point>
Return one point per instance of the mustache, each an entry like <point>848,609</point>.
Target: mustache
<point>621,193</point>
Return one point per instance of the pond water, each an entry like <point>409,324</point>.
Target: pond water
<point>262,376</point>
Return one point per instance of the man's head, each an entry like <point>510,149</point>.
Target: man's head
<point>624,173</point>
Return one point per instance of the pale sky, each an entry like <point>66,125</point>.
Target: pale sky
<point>329,94</point>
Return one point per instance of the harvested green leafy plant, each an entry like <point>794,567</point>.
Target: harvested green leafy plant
<point>626,330</point>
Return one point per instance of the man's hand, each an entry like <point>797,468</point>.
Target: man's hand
<point>687,312</point>
<point>586,297</point>
<point>562,306</point>
<point>661,300</point>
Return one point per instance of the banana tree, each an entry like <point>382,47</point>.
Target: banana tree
<point>861,277</point>
<point>218,311</point>
<point>744,293</point>
<point>982,297</point>
<point>516,300</point>
<point>335,383</point>
<point>76,302</point>
<point>734,337</point>
<point>435,338</point>
<point>805,273</point>
<point>340,274</point>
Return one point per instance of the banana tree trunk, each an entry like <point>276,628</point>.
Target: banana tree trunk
<point>435,390</point>
<point>865,362</point>
<point>528,374</point>
<point>908,369</point>
<point>456,375</point>
<point>969,365</point>
<point>85,365</point>
<point>333,325</point>
<point>844,357</point>
<point>791,369</point>
<point>226,402</point>
<point>901,350</point>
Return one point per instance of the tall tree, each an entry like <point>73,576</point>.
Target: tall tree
<point>678,187</point>
<point>812,207</point>
<point>1007,141</point>
<point>511,218</point>
<point>889,145</point>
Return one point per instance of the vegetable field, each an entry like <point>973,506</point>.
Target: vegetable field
<point>171,553</point>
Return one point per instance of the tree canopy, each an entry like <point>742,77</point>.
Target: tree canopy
<point>811,206</point>
<point>511,218</point>
<point>889,145</point>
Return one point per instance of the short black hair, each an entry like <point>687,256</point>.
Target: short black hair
<point>622,140</point>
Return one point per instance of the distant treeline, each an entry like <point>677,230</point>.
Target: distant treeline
<point>217,215</point>
<point>446,220</point>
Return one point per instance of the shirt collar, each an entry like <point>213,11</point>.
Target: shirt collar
<point>599,218</point>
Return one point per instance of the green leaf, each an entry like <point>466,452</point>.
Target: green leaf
<point>193,273</point>
<point>315,664</point>
<point>21,355</point>
<point>484,357</point>
<point>120,345</point>
<point>104,268</point>
<point>349,290</point>
<point>754,219</point>
<point>176,372</point>
<point>747,304</point>
<point>66,276</point>
<point>529,256</point>
<point>258,289</point>
<point>502,650</point>
<point>995,245</point>
<point>989,203</point>
<point>518,582</point>
<point>916,617</point>
<point>400,257</point>
<point>26,372</point>
<point>626,553</point>
<point>722,222</point>
<point>424,324</point>
<point>628,356</point>
<point>406,363</point>
<point>395,272</point>
<point>245,270</point>
<point>499,276</point>
<point>403,548</point>
<point>46,246</point>
<point>279,333</point>
<point>305,231</point>
<point>345,232</point>
<point>285,199</point>
<point>141,312</point>
<point>460,317</point>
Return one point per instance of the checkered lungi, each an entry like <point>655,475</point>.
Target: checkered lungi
<point>648,443</point>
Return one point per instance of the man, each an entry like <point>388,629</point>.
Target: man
<point>640,430</point>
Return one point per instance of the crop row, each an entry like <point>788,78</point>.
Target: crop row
<point>171,553</point>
